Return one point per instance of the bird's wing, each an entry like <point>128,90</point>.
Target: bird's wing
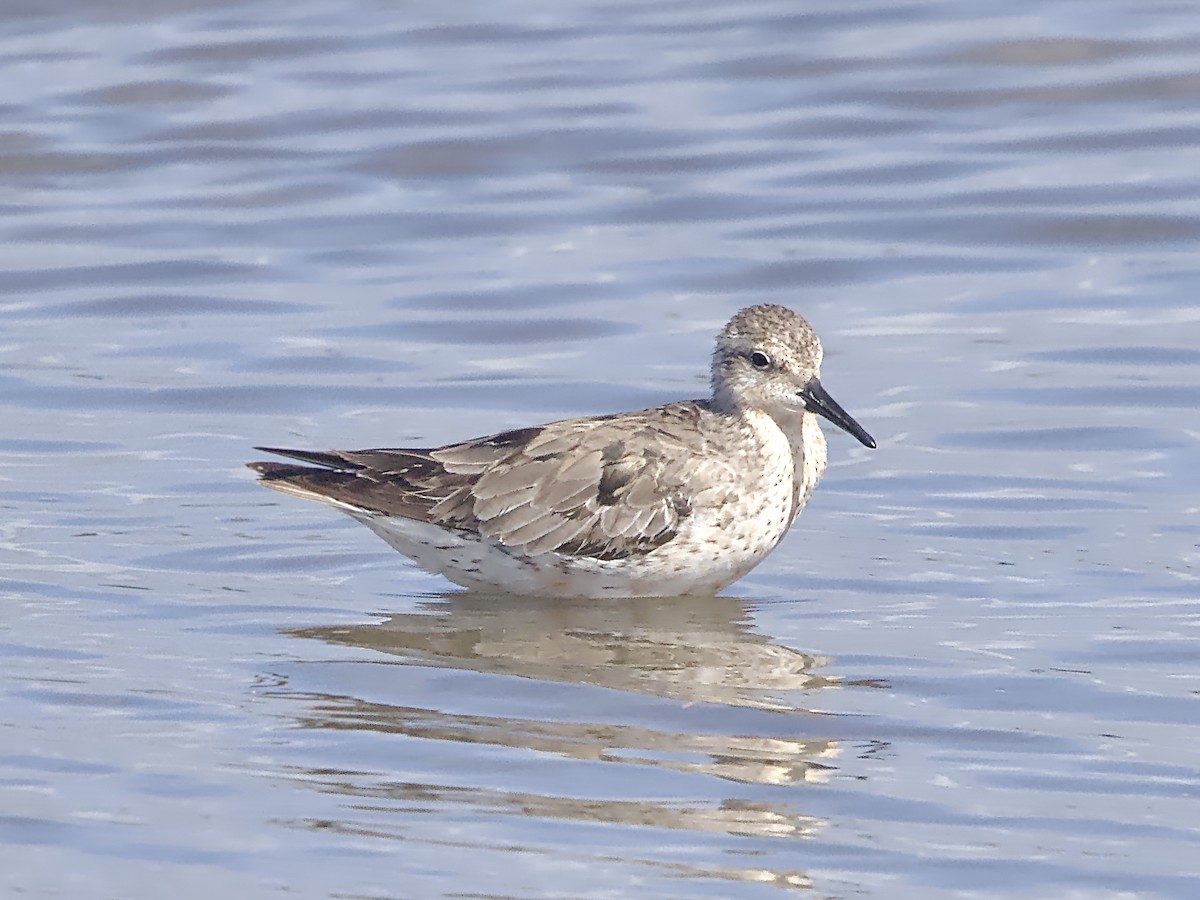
<point>606,488</point>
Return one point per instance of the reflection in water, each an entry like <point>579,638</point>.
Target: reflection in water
<point>727,681</point>
<point>682,648</point>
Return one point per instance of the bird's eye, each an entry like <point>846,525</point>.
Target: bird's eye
<point>760,360</point>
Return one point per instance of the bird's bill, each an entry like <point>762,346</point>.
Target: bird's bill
<point>817,400</point>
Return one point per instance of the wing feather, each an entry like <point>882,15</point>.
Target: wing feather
<point>567,498</point>
<point>563,532</point>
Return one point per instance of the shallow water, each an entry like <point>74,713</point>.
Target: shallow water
<point>970,670</point>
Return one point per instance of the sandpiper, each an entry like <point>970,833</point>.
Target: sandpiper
<point>678,499</point>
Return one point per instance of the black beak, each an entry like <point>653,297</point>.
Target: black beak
<point>817,400</point>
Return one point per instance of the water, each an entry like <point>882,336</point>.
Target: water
<point>970,670</point>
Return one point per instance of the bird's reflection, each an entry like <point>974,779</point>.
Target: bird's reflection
<point>698,650</point>
<point>737,712</point>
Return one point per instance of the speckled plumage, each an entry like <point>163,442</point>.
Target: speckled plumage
<point>681,498</point>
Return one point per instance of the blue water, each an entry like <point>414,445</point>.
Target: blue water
<point>970,670</point>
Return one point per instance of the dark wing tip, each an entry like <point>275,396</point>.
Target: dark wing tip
<point>278,471</point>
<point>329,459</point>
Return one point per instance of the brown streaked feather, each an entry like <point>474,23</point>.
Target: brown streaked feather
<point>344,487</point>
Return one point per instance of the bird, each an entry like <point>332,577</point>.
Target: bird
<point>679,499</point>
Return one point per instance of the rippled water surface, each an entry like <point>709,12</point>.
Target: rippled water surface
<point>972,668</point>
